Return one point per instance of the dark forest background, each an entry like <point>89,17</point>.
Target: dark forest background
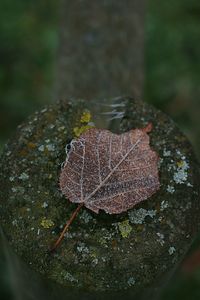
<point>28,49</point>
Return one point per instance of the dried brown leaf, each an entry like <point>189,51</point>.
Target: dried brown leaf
<point>111,172</point>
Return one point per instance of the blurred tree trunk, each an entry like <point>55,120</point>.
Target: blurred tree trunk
<point>101,49</point>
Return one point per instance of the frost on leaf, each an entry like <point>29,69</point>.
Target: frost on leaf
<point>110,172</point>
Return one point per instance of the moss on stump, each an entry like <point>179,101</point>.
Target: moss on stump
<point>101,253</point>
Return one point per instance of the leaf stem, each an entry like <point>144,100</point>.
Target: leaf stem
<point>148,128</point>
<point>68,223</point>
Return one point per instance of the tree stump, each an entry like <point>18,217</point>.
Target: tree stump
<point>130,255</point>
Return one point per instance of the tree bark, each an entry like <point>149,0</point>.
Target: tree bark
<point>101,49</point>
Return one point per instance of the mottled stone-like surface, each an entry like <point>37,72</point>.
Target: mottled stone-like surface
<point>101,252</point>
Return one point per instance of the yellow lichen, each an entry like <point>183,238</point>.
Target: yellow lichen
<point>79,130</point>
<point>31,145</point>
<point>180,164</point>
<point>125,228</point>
<point>46,223</point>
<point>23,152</point>
<point>86,117</point>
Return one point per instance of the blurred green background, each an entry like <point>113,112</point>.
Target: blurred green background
<point>28,43</point>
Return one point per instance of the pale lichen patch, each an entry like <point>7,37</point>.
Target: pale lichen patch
<point>43,110</point>
<point>69,277</point>
<point>106,236</point>
<point>95,262</point>
<point>85,216</point>
<point>45,204</point>
<point>18,189</point>
<point>137,216</point>
<point>131,281</point>
<point>41,148</point>
<point>170,189</point>
<point>8,153</point>
<point>14,222</point>
<point>181,174</point>
<point>180,167</point>
<point>82,248</point>
<point>50,147</point>
<point>164,205</point>
<point>24,176</point>
<point>52,126</point>
<point>61,128</point>
<point>166,153</point>
<point>160,238</point>
<point>171,250</point>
